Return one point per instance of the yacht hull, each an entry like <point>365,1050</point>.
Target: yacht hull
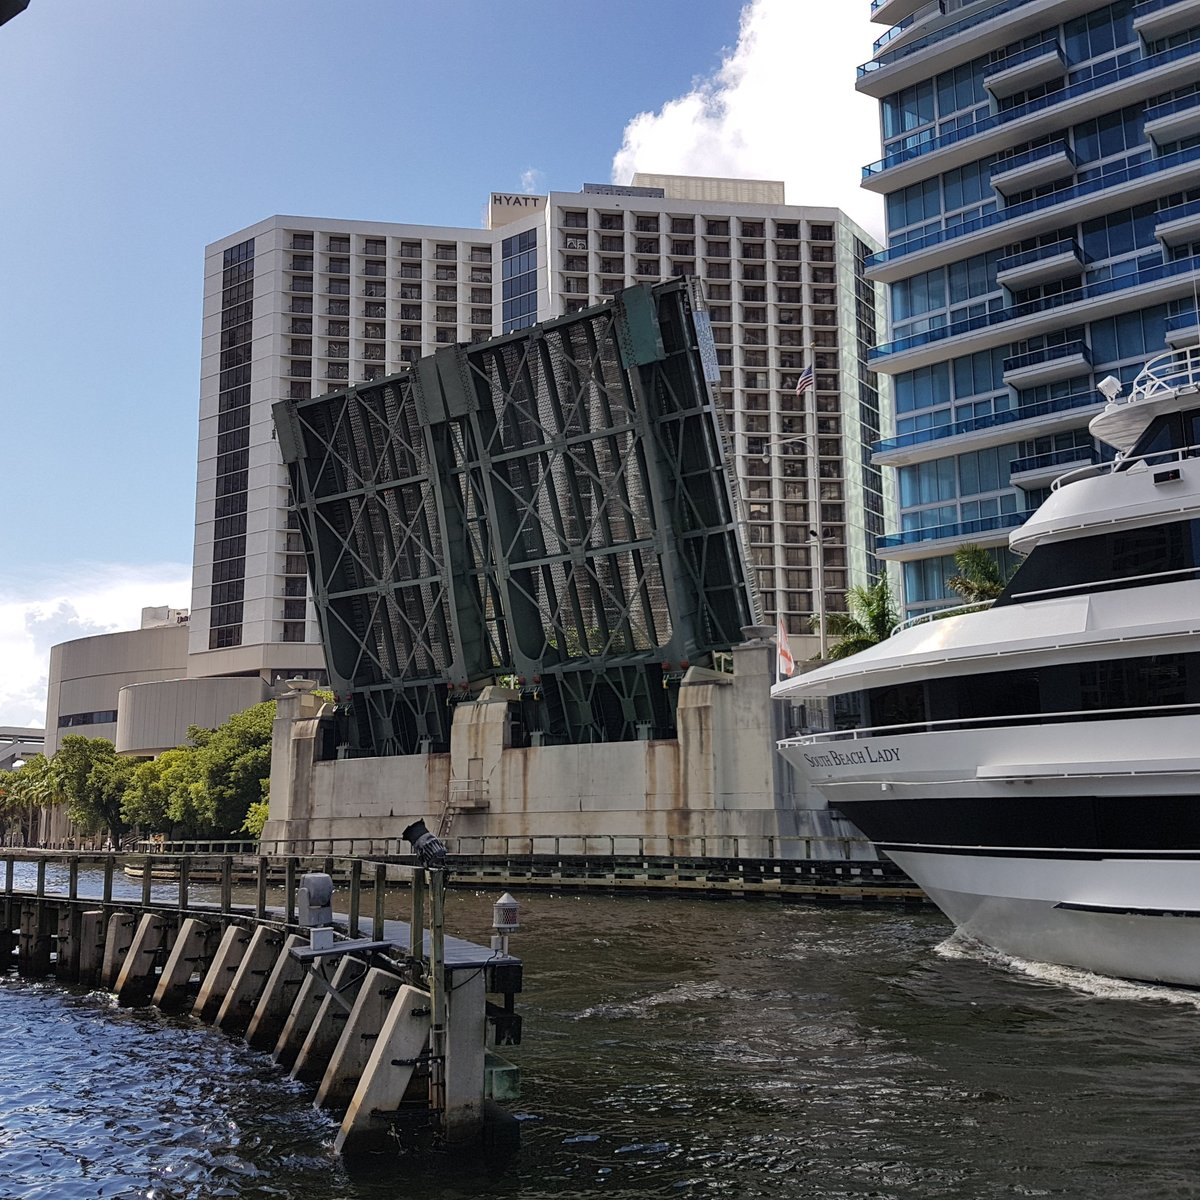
<point>1136,917</point>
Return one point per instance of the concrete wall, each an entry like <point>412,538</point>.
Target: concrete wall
<point>721,779</point>
<point>153,717</point>
<point>86,675</point>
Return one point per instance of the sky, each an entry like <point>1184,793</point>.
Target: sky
<point>135,132</point>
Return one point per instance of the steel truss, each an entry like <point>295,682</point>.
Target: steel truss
<point>552,506</point>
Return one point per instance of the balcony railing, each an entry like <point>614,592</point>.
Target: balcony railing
<point>1053,458</point>
<point>1044,408</point>
<point>1067,195</point>
<point>1035,358</point>
<point>1026,258</point>
<point>1026,158</point>
<point>962,529</point>
<point>1041,49</point>
<point>947,31</point>
<point>1091,291</point>
<point>1082,88</point>
<point>1167,108</point>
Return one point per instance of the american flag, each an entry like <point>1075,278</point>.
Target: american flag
<point>805,381</point>
<point>785,661</point>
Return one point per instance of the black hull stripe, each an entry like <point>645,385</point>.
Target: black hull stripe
<point>1040,825</point>
<point>1108,909</point>
<point>1041,852</point>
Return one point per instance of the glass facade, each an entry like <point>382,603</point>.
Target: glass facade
<point>1041,185</point>
<point>233,446</point>
<point>519,273</point>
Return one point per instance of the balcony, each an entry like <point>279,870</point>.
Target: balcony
<point>1043,164</point>
<point>1153,19</point>
<point>1183,329</point>
<point>891,12</point>
<point>910,23</point>
<point>1045,417</point>
<point>1173,120</point>
<point>1026,69</point>
<point>1047,365</point>
<point>1124,84</point>
<point>1125,186</point>
<point>1040,470</point>
<point>1103,297</point>
<point>1042,264</point>
<point>925,543</point>
<point>1178,226</point>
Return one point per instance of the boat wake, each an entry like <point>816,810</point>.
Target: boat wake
<point>1102,987</point>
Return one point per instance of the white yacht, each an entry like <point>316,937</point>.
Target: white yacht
<point>1035,766</point>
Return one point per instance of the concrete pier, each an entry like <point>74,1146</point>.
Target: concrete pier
<point>387,1027</point>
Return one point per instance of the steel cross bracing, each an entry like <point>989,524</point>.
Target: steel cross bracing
<point>551,509</point>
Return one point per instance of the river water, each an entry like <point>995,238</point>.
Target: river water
<point>672,1048</point>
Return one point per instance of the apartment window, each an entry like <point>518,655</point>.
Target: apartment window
<point>445,253</point>
<point>301,347</point>
<point>683,225</point>
<point>339,266</point>
<point>612,245</point>
<point>446,337</point>
<point>647,266</point>
<point>718,271</point>
<point>754,294</point>
<point>787,253</point>
<point>481,254</point>
<point>445,273</point>
<point>339,350</point>
<point>295,587</point>
<point>293,631</point>
<point>717,249</point>
<point>302,325</point>
<point>374,310</point>
<point>646,225</point>
<point>612,266</point>
<point>717,228</point>
<point>612,220</point>
<point>410,291</point>
<point>410,249</point>
<point>302,241</point>
<point>446,313</point>
<point>338,244</point>
<point>752,229</point>
<point>754,316</point>
<point>410,333</point>
<point>375,246</point>
<point>753,272</point>
<point>823,296</point>
<point>443,294</point>
<point>821,233</point>
<point>788,230</point>
<point>820,253</point>
<point>480,316</point>
<point>718,291</point>
<point>302,262</point>
<point>373,352</point>
<point>683,247</point>
<point>299,391</point>
<point>376,269</point>
<point>575,262</point>
<point>293,610</point>
<point>337,328</point>
<point>575,220</point>
<point>788,274</point>
<point>300,305</point>
<point>373,330</point>
<point>481,275</point>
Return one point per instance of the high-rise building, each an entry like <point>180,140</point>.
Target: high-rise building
<point>1041,170</point>
<point>295,306</point>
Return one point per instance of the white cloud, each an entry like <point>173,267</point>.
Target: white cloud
<point>781,106</point>
<point>533,181</point>
<point>92,598</point>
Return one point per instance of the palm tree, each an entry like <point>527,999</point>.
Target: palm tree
<point>979,578</point>
<point>870,620</point>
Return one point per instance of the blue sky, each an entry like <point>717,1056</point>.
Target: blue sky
<point>134,132</point>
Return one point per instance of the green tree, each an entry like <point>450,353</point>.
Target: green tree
<point>159,793</point>
<point>89,775</point>
<point>27,788</point>
<point>231,764</point>
<point>870,620</point>
<point>979,577</point>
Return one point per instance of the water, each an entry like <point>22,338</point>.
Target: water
<point>673,1048</point>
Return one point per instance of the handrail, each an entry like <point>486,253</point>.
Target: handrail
<point>938,614</point>
<point>855,735</point>
<point>1118,465</point>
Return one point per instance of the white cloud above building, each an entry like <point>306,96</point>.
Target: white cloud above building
<point>781,106</point>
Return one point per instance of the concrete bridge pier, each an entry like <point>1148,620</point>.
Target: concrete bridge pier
<point>39,932</point>
<point>121,926</point>
<point>280,994</point>
<point>354,1047</point>
<point>219,976</point>
<point>91,947</point>
<point>250,980</point>
<point>193,951</point>
<point>326,1030</point>
<point>137,979</point>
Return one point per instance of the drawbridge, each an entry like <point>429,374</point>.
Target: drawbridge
<point>551,510</point>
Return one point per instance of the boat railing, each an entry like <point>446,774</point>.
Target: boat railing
<point>971,723</point>
<point>1174,370</point>
<point>938,614</point>
<point>1118,465</point>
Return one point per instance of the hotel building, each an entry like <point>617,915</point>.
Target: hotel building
<point>1041,172</point>
<point>296,306</point>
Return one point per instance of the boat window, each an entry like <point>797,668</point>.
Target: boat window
<point>1106,562</point>
<point>1071,691</point>
<point>1167,432</point>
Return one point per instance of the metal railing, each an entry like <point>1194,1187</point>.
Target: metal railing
<point>1063,246</point>
<point>1048,354</point>
<point>960,529</point>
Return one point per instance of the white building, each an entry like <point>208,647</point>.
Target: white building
<point>296,306</point>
